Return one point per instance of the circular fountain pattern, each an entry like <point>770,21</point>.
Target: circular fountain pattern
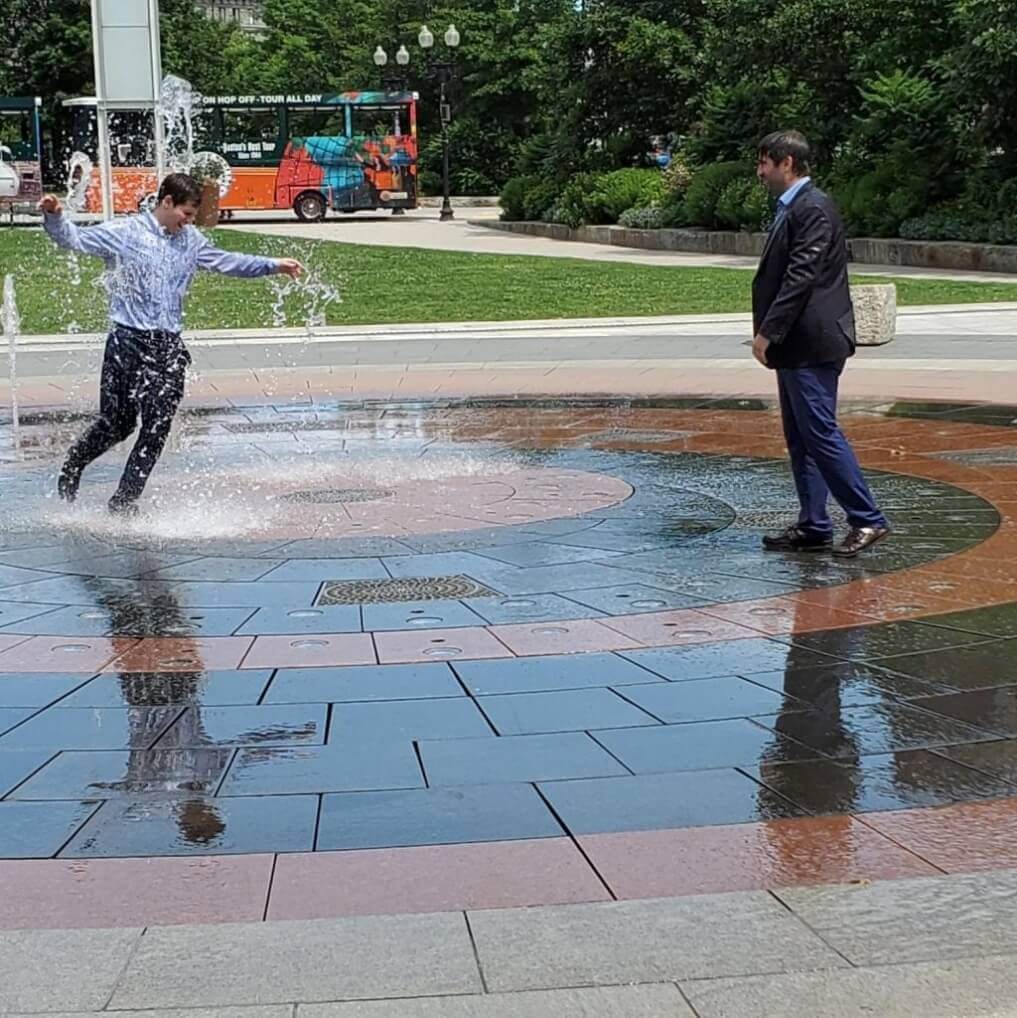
<point>353,628</point>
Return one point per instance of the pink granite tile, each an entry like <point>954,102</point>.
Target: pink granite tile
<point>742,857</point>
<point>65,894</point>
<point>660,629</point>
<point>578,636</point>
<point>432,878</point>
<point>311,650</point>
<point>166,654</point>
<point>8,640</point>
<point>439,645</point>
<point>61,653</point>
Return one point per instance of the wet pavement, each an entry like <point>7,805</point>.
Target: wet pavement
<point>379,627</point>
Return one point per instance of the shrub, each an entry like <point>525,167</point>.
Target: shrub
<point>429,182</point>
<point>624,189</point>
<point>651,218</point>
<point>758,210</point>
<point>875,203</point>
<point>956,222</point>
<point>539,197</point>
<point>706,188</point>
<point>731,203</point>
<point>674,215</point>
<point>513,197</point>
<point>677,177</point>
<point>573,205</point>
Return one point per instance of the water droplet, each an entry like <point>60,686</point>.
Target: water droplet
<point>649,604</point>
<point>303,644</point>
<point>518,602</point>
<point>92,613</point>
<point>73,648</point>
<point>425,620</point>
<point>304,613</point>
<point>549,630</point>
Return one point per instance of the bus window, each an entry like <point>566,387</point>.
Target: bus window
<point>17,133</point>
<point>250,135</point>
<point>317,122</point>
<point>376,122</point>
<point>131,138</point>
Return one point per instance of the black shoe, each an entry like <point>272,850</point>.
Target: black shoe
<point>67,486</point>
<point>123,507</point>
<point>796,539</point>
<point>858,539</point>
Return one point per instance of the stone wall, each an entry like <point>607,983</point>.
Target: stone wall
<point>863,250</point>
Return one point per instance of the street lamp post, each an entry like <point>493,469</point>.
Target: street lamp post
<point>446,73</point>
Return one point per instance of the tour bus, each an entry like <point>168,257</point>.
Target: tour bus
<point>20,151</point>
<point>310,153</point>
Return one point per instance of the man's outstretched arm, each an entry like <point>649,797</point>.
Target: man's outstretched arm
<point>233,263</point>
<point>102,240</point>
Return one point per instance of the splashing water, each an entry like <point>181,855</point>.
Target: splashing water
<point>11,327</point>
<point>179,105</point>
<point>79,175</point>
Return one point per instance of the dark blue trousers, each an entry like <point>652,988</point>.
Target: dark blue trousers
<point>822,461</point>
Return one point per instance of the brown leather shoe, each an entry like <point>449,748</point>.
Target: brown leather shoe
<point>858,539</point>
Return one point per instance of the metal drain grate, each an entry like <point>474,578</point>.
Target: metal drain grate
<point>326,496</point>
<point>408,588</point>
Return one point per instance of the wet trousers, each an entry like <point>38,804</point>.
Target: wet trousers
<point>142,376</point>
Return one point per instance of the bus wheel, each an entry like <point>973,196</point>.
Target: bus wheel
<point>310,206</point>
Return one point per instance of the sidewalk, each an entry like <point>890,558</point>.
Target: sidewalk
<point>941,947</point>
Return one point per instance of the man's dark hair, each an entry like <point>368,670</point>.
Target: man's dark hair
<point>182,188</point>
<point>781,144</point>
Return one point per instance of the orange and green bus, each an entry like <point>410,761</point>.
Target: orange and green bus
<point>311,153</point>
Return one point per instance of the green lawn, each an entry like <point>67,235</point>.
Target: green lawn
<point>411,285</point>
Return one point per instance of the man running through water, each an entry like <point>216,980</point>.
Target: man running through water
<point>152,259</point>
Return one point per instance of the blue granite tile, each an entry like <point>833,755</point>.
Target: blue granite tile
<point>363,682</point>
<point>732,657</point>
<point>217,569</point>
<point>32,689</point>
<point>866,643</point>
<point>537,553</point>
<point>134,619</point>
<point>158,689</point>
<point>268,725</point>
<point>197,826</point>
<point>37,830</point>
<point>700,746</point>
<point>60,728</point>
<point>555,671</point>
<point>277,620</point>
<point>514,759</point>
<point>634,598</point>
<point>419,615</point>
<point>434,816</point>
<point>17,764</point>
<point>321,569</point>
<point>11,716</point>
<point>663,801</point>
<point>12,612</point>
<point>708,700</point>
<point>115,774</point>
<point>348,768</point>
<point>570,710</point>
<point>449,718</point>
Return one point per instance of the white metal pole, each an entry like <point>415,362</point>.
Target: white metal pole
<point>105,166</point>
<point>155,50</point>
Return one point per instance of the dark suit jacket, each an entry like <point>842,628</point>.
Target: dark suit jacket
<point>800,296</point>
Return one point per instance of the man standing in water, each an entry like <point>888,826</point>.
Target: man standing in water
<point>151,259</point>
<point>805,330</point>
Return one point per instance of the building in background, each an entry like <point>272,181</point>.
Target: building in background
<point>246,13</point>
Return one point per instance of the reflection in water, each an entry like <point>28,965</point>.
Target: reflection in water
<point>184,760</point>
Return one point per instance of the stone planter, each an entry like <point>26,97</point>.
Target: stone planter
<point>208,210</point>
<point>875,313</point>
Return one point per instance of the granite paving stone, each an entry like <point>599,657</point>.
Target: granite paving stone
<point>368,682</point>
<point>656,801</point>
<point>645,941</point>
<point>159,689</point>
<point>733,657</point>
<point>38,830</point>
<point>18,764</point>
<point>130,619</point>
<point>34,690</point>
<point>61,728</point>
<point>636,597</point>
<point>419,614</point>
<point>363,724</point>
<point>267,725</point>
<point>996,758</point>
<point>321,569</point>
<point>515,758</point>
<point>434,816</point>
<point>886,640</point>
<point>529,608</point>
<point>708,700</point>
<point>976,667</point>
<point>69,970</point>
<point>958,916</point>
<point>279,620</point>
<point>570,710</point>
<point>193,825</point>
<point>107,774</point>
<point>381,956</point>
<point>556,671</point>
<point>974,988</point>
<point>10,717</point>
<point>386,764</point>
<point>845,684</point>
<point>647,1001</point>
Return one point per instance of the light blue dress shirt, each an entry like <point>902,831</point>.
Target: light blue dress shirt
<point>149,270</point>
